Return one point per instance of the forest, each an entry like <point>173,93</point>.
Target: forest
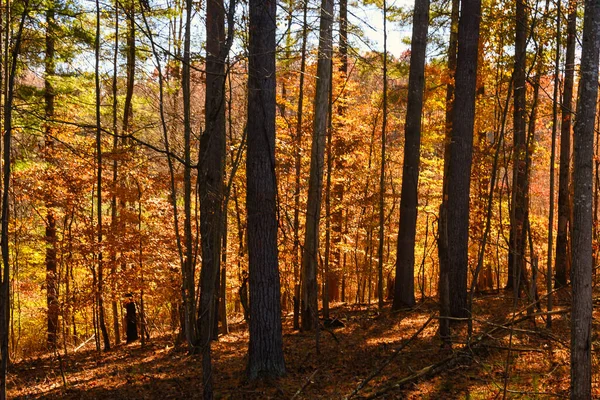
<point>299,199</point>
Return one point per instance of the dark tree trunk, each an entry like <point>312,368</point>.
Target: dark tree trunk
<point>6,173</point>
<point>454,216</point>
<point>519,203</point>
<point>315,183</point>
<point>189,269</point>
<point>113,201</point>
<point>49,95</point>
<point>211,170</point>
<point>564,206</point>
<point>552,168</point>
<point>442,236</point>
<point>297,170</point>
<point>383,161</point>
<point>131,318</point>
<point>583,152</point>
<point>100,282</point>
<point>265,352</point>
<point>336,273</point>
<point>404,293</point>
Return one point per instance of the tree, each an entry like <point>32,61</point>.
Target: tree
<point>100,270</point>
<point>6,183</point>
<point>210,177</point>
<point>50,236</point>
<point>581,253</point>
<point>315,182</point>
<point>564,206</point>
<point>519,203</point>
<point>404,291</point>
<point>188,267</point>
<point>454,214</point>
<point>265,348</point>
<point>298,167</point>
<point>383,161</point>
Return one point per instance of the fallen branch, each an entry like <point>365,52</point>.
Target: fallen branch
<point>429,370</point>
<point>308,381</point>
<point>84,343</point>
<point>391,358</point>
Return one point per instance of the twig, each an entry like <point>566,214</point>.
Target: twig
<point>305,384</point>
<point>84,343</point>
<point>391,358</point>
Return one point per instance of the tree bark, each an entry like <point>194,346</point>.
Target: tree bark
<point>583,152</point>
<point>404,291</point>
<point>383,161</point>
<point>297,169</point>
<point>564,206</point>
<point>6,173</point>
<point>519,203</point>
<point>50,237</point>
<point>189,269</point>
<point>211,171</point>
<point>315,182</point>
<point>454,218</point>
<point>100,282</point>
<point>265,352</point>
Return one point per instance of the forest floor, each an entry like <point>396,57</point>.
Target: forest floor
<point>538,366</point>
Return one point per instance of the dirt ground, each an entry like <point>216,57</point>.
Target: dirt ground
<point>519,360</point>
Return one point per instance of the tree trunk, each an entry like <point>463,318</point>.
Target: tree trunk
<point>552,169</point>
<point>583,152</point>
<point>519,203</point>
<point>265,351</point>
<point>404,293</point>
<point>444,283</point>
<point>564,206</point>
<point>189,290</point>
<point>50,237</point>
<point>297,170</point>
<point>211,170</point>
<point>6,173</point>
<point>382,169</point>
<point>315,182</point>
<point>100,282</point>
<point>454,218</point>
<point>113,201</point>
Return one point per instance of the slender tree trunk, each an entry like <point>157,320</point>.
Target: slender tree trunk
<point>444,283</point>
<point>326,264</point>
<point>189,296</point>
<point>454,218</point>
<point>100,282</point>
<point>550,251</point>
<point>338,151</point>
<point>519,203</point>
<point>211,171</point>
<point>265,351</point>
<point>297,169</point>
<point>50,237</point>
<point>583,152</point>
<point>564,206</point>
<point>6,172</point>
<point>113,201</point>
<point>404,293</point>
<point>131,50</point>
<point>382,170</point>
<point>315,182</point>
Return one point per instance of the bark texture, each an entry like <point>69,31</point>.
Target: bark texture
<point>454,216</point>
<point>404,294</point>
<point>583,153</point>
<point>265,353</point>
<point>309,305</point>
